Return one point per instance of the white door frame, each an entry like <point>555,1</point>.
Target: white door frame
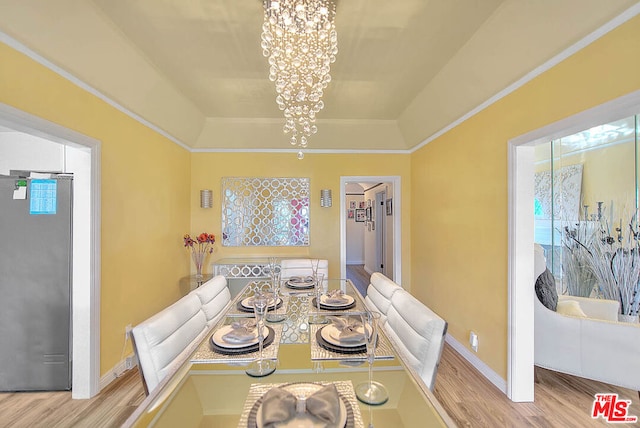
<point>397,222</point>
<point>83,159</point>
<point>381,241</point>
<point>520,358</point>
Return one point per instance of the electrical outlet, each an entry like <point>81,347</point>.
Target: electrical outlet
<point>129,362</point>
<point>473,341</point>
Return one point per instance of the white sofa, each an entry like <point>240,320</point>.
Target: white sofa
<point>596,347</point>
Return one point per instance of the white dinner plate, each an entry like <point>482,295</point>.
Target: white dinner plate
<point>332,335</point>
<point>298,283</point>
<point>304,420</point>
<point>349,300</point>
<point>245,303</point>
<point>218,340</point>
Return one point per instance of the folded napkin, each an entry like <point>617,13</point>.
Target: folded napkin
<point>279,405</point>
<point>301,279</point>
<point>335,297</point>
<point>241,331</point>
<point>351,330</point>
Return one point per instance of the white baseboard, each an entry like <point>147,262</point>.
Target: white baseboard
<point>117,371</point>
<point>476,362</point>
<point>367,270</point>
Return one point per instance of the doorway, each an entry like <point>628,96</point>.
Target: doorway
<point>82,158</point>
<point>379,227</point>
<point>520,358</point>
<point>389,254</point>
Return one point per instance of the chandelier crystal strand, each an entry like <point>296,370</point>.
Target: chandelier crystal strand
<point>299,38</point>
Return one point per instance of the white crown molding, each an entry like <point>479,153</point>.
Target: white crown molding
<point>13,43</point>
<point>595,35</point>
<point>316,151</point>
<point>576,47</point>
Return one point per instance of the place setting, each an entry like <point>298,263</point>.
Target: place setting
<point>246,304</point>
<point>245,339</point>
<point>334,300</point>
<point>345,337</point>
<point>301,405</point>
<point>240,337</point>
<point>300,283</point>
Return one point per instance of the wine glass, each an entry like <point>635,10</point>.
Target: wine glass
<point>319,291</point>
<point>275,292</point>
<point>314,267</point>
<point>371,392</point>
<point>260,367</point>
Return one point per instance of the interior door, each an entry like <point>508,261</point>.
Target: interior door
<point>379,224</point>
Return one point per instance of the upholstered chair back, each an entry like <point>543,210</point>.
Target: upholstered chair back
<point>214,296</point>
<point>302,267</point>
<point>161,341</point>
<point>419,334</point>
<point>379,294</point>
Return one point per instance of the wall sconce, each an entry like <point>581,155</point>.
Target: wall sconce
<point>325,198</point>
<point>206,199</point>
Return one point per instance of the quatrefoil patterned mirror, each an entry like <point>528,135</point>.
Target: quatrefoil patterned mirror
<point>265,212</point>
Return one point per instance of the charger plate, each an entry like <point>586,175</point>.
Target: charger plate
<point>257,391</point>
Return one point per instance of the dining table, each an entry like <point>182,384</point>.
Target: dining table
<point>211,388</point>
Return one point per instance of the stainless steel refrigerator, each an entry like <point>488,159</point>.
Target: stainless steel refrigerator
<point>35,282</point>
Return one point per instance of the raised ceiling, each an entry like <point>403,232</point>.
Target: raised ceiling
<point>405,68</point>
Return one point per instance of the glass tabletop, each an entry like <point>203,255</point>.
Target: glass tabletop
<point>215,392</point>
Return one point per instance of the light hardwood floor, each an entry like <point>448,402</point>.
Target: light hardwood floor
<point>471,401</point>
<point>469,398</point>
<point>359,277</point>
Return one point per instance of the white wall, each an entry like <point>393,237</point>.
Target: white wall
<point>355,233</point>
<point>22,151</point>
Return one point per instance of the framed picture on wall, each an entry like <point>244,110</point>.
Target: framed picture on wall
<point>389,206</point>
<point>351,214</point>
<point>352,205</point>
<point>368,213</point>
<point>361,205</point>
<point>360,215</point>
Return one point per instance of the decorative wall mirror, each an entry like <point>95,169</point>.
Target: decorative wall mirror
<point>585,189</point>
<point>265,212</point>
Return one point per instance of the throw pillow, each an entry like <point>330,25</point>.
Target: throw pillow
<point>570,307</point>
<point>546,290</point>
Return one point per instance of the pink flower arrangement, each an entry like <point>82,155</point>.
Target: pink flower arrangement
<point>200,247</point>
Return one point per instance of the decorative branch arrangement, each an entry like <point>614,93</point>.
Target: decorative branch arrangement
<point>611,260</point>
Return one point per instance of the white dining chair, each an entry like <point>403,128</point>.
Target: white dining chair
<point>379,293</point>
<point>163,341</point>
<point>302,267</point>
<point>214,296</point>
<point>419,334</point>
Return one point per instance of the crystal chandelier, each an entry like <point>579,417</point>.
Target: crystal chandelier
<point>299,38</point>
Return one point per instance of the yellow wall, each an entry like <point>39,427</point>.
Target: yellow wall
<point>145,196</point>
<point>608,175</point>
<point>324,170</point>
<point>459,189</point>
